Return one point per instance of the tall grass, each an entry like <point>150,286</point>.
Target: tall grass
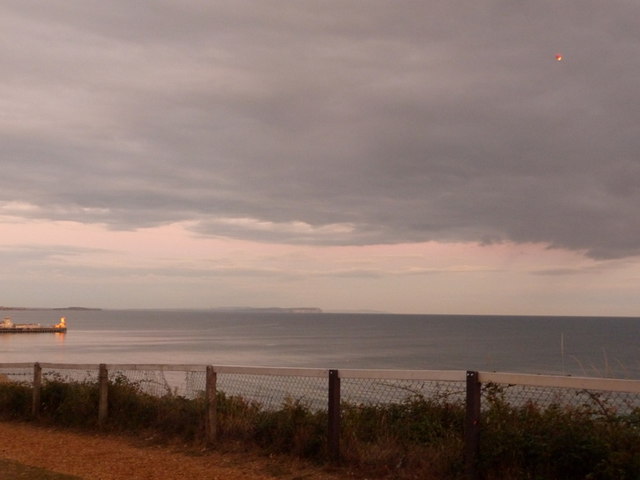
<point>15,401</point>
<point>170,416</point>
<point>416,438</point>
<point>403,439</point>
<point>587,441</point>
<point>400,439</point>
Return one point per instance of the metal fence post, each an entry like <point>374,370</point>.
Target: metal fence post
<point>37,390</point>
<point>472,426</point>
<point>103,386</point>
<point>333,432</point>
<point>210,420</point>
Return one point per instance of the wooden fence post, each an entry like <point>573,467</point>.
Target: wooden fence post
<point>472,426</point>
<point>210,421</point>
<point>333,431</point>
<point>103,402</point>
<point>37,390</point>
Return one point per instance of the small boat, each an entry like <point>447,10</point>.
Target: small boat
<point>7,326</point>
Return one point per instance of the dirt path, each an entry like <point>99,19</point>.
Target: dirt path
<point>109,457</point>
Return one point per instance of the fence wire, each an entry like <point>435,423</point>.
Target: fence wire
<point>599,402</point>
<point>17,375</point>
<point>187,384</point>
<point>381,392</point>
<point>273,391</point>
<point>68,375</point>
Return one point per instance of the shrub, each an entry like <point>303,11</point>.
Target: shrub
<point>400,439</point>
<point>589,441</point>
<point>568,442</point>
<point>71,404</point>
<point>15,400</point>
<point>294,428</point>
<point>131,409</point>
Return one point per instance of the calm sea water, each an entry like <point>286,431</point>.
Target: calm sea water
<point>591,346</point>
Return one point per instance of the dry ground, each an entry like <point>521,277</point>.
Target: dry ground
<point>92,456</point>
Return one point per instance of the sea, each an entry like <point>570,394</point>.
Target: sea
<point>578,346</point>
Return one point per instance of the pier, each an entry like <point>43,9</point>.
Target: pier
<point>7,326</point>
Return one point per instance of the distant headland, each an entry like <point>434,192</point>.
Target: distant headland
<point>218,309</point>
<point>269,309</point>
<point>3,308</point>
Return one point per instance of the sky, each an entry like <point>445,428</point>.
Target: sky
<point>402,156</point>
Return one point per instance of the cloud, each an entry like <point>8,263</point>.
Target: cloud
<point>37,257</point>
<point>328,123</point>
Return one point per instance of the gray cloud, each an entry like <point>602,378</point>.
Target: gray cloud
<point>42,256</point>
<point>333,122</point>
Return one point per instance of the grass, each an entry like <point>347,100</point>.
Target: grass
<point>588,441</point>
<point>400,439</point>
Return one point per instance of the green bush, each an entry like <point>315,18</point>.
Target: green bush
<point>131,409</point>
<point>15,401</point>
<point>400,439</point>
<point>236,417</point>
<point>71,404</point>
<point>568,442</point>
<point>589,441</point>
<point>294,428</point>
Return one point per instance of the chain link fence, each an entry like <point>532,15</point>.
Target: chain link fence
<point>187,382</point>
<point>271,387</point>
<point>273,391</point>
<point>601,402</point>
<point>601,396</point>
<point>70,375</point>
<point>21,373</point>
<point>386,391</point>
<point>393,395</point>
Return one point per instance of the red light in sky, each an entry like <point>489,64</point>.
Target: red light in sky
<point>559,57</point>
